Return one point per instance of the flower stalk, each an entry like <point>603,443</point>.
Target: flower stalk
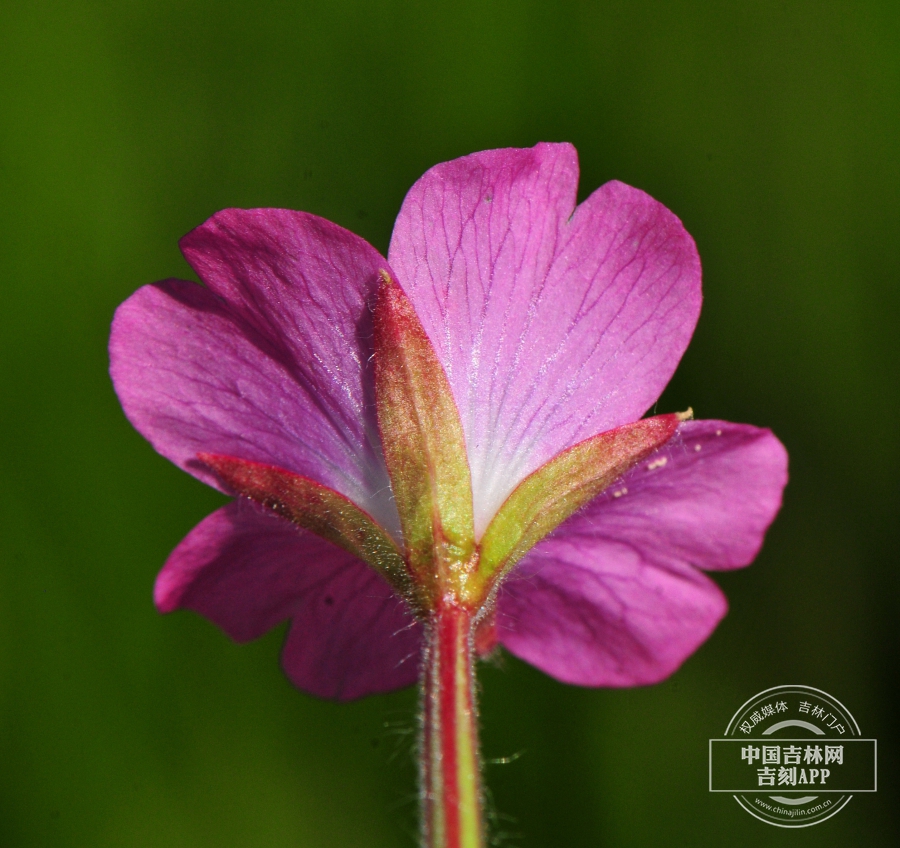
<point>450,768</point>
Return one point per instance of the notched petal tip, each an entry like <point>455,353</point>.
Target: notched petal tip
<point>247,570</point>
<point>552,325</point>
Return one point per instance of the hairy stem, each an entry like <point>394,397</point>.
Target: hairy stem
<point>450,768</point>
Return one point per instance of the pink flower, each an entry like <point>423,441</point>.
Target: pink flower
<point>553,325</point>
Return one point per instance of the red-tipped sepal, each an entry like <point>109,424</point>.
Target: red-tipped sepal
<point>324,511</point>
<point>547,497</point>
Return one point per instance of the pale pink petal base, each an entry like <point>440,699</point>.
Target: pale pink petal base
<point>247,570</point>
<point>613,596</point>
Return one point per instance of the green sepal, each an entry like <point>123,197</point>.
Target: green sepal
<point>424,448</point>
<point>548,496</point>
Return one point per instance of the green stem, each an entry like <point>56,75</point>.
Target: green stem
<point>450,768</point>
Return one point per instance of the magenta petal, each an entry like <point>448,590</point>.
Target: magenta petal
<point>353,637</point>
<point>244,569</point>
<point>270,363</point>
<point>706,498</point>
<point>553,323</point>
<point>594,612</point>
<point>247,570</point>
<point>612,597</point>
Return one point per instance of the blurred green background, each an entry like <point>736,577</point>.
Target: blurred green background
<point>771,128</point>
